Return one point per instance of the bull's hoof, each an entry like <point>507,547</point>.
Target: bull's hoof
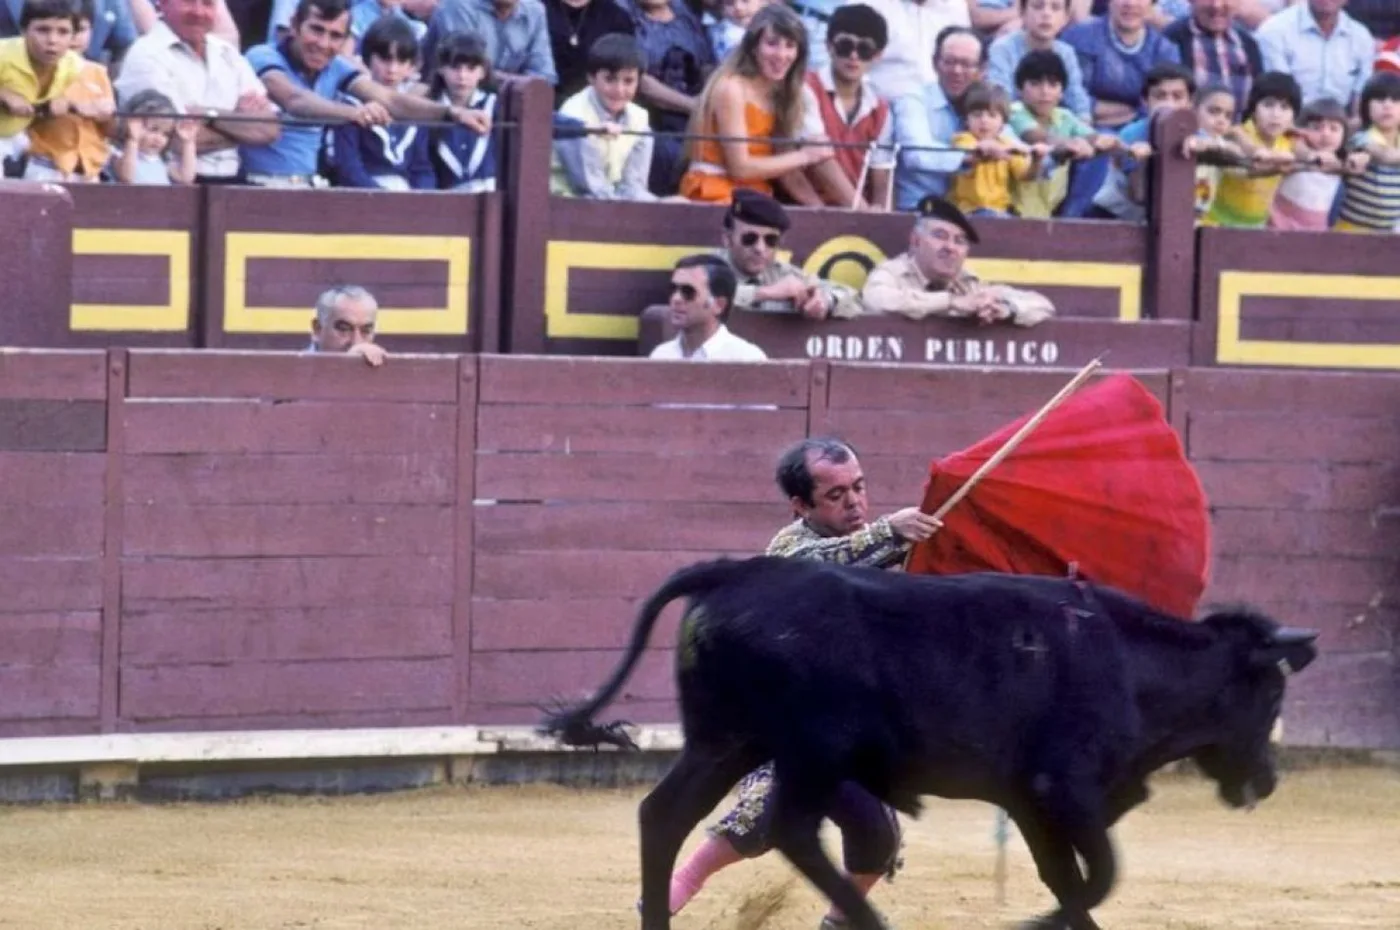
<point>1044,922</point>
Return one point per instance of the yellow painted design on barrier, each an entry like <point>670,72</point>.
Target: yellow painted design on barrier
<point>242,247</point>
<point>842,258</point>
<point>1235,286</point>
<point>171,244</point>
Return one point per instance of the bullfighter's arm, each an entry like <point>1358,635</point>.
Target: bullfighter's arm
<point>874,545</point>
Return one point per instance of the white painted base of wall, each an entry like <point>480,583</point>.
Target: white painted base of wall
<point>238,746</point>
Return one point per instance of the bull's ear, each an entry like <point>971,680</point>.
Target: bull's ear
<point>1292,650</point>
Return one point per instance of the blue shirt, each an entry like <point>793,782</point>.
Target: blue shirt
<point>363,156</point>
<point>1336,66</point>
<point>1006,53</point>
<point>1110,73</point>
<point>926,121</point>
<point>519,44</point>
<point>815,15</point>
<point>296,149</point>
<point>462,158</point>
<point>363,14</point>
<point>1114,195</point>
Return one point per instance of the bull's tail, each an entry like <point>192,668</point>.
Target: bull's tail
<point>574,726</point>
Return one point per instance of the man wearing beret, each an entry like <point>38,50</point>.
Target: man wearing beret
<point>753,230</point>
<point>930,280</point>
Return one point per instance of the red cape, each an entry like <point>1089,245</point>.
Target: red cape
<point>1103,484</point>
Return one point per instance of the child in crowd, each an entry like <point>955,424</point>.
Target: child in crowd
<point>1038,118</point>
<point>464,157</point>
<point>365,13</point>
<point>392,157</point>
<point>1042,21</point>
<point>1123,195</point>
<point>841,105</point>
<point>1245,194</point>
<point>1215,113</point>
<point>145,143</point>
<point>999,161</point>
<point>36,68</point>
<point>615,164</point>
<point>71,145</point>
<point>1371,200</point>
<point>726,31</point>
<point>1304,199</point>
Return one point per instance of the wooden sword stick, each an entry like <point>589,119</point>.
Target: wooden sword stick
<point>1010,445</point>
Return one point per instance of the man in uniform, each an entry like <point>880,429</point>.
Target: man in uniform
<point>823,481</point>
<point>753,231</point>
<point>930,279</point>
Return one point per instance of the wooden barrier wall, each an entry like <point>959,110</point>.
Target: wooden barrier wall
<point>580,274</point>
<point>522,271</point>
<point>235,540</point>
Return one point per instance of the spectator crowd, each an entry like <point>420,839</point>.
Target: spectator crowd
<point>1029,108</point>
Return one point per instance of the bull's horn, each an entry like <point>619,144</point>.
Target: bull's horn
<point>1291,636</point>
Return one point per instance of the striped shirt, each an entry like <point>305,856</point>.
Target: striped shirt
<point>1372,199</point>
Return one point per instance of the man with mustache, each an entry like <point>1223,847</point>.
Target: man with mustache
<point>930,279</point>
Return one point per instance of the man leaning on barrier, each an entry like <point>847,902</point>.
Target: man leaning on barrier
<point>931,278</point>
<point>753,230</point>
<point>345,322</point>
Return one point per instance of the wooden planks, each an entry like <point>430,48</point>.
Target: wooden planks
<point>1300,471</point>
<point>52,444</point>
<point>288,540</point>
<point>468,538</point>
<point>595,479</point>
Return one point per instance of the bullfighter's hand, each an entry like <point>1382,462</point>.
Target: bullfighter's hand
<point>373,355</point>
<point>913,525</point>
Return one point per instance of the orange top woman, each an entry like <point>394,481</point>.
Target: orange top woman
<point>756,92</point>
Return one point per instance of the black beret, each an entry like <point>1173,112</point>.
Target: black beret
<point>940,209</point>
<point>757,209</point>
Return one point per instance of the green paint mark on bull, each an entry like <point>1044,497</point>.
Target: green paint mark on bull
<point>690,635</point>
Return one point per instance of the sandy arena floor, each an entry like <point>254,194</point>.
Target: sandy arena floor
<point>1323,853</point>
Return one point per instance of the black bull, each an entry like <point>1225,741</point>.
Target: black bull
<point>1051,698</point>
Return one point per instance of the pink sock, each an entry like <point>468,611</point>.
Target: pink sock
<point>714,854</point>
<point>864,882</point>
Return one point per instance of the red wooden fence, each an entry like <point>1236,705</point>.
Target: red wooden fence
<point>223,540</point>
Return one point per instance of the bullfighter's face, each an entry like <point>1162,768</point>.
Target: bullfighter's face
<point>839,506</point>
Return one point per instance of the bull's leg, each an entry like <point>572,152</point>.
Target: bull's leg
<point>1058,867</point>
<point>870,836</point>
<point>697,782</point>
<point>799,808</point>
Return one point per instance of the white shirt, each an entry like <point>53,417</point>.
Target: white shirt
<point>160,61</point>
<point>723,346</point>
<point>907,64</point>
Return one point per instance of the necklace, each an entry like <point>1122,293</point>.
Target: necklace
<point>575,27</point>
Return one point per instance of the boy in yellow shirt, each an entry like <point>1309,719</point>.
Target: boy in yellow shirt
<point>999,160</point>
<point>72,144</point>
<point>37,66</point>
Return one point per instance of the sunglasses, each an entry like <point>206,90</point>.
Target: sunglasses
<point>687,291</point>
<point>845,46</point>
<point>750,239</point>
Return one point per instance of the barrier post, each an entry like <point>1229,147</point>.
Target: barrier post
<point>1171,265</point>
